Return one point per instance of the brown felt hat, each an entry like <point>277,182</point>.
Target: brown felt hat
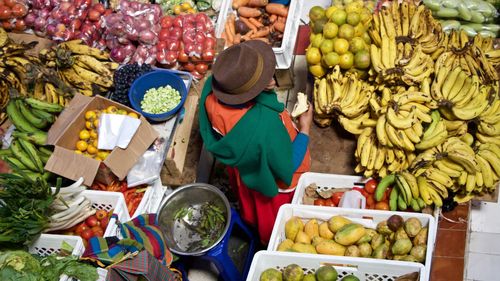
<point>242,71</point>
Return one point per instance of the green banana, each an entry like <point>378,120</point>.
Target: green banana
<point>33,153</point>
<point>404,189</point>
<point>393,199</point>
<point>45,106</point>
<point>43,114</point>
<point>44,158</point>
<point>421,203</point>
<point>15,162</point>
<point>38,138</point>
<point>414,205</point>
<point>44,150</point>
<point>401,203</point>
<point>22,156</point>
<point>18,119</point>
<point>26,112</point>
<point>383,185</point>
<point>5,152</point>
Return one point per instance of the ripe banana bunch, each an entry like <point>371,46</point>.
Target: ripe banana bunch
<point>489,124</point>
<point>27,154</point>
<point>320,101</point>
<point>407,22</point>
<point>85,68</point>
<point>435,134</point>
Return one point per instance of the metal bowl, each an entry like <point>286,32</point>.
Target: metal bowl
<point>178,233</point>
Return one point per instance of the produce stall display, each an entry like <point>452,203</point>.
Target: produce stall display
<point>416,83</point>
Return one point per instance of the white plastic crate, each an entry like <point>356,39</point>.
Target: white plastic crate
<point>106,200</point>
<point>367,218</point>
<point>284,53</point>
<point>150,203</point>
<point>48,244</point>
<point>364,269</point>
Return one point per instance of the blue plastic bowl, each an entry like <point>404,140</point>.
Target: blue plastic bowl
<point>284,2</point>
<point>155,79</point>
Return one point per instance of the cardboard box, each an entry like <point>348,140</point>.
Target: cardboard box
<point>64,135</point>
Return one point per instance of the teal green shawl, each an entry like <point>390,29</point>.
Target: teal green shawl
<point>258,145</point>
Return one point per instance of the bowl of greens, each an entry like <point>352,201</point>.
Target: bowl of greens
<point>158,95</point>
<point>194,219</point>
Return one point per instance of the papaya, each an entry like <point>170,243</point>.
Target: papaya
<point>350,234</point>
<point>303,248</point>
<point>285,245</point>
<point>330,247</point>
<point>324,231</point>
<point>335,223</point>
<point>311,228</point>
<point>302,237</point>
<point>292,227</point>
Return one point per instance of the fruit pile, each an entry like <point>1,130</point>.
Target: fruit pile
<point>28,152</point>
<point>394,238</point>
<point>432,97</point>
<point>339,37</point>
<point>123,79</point>
<point>295,272</point>
<point>88,137</point>
<point>94,225</point>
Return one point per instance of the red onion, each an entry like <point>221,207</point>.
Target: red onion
<point>200,37</point>
<point>40,24</point>
<point>147,37</point>
<point>44,13</point>
<point>142,25</point>
<point>129,49</point>
<point>30,19</point>
<point>124,41</point>
<point>117,55</point>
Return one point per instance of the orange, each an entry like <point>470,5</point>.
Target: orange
<point>93,134</point>
<point>96,123</point>
<point>78,151</point>
<point>81,145</point>
<point>102,154</point>
<point>133,115</point>
<point>177,9</point>
<point>94,143</point>
<point>111,109</point>
<point>97,158</point>
<point>89,125</point>
<point>90,115</point>
<point>84,135</point>
<point>186,6</point>
<point>91,149</point>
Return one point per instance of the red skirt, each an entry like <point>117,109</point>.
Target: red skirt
<point>256,209</point>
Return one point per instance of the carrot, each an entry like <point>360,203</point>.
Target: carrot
<point>239,3</point>
<point>273,18</point>
<point>231,21</point>
<point>229,34</point>
<point>263,39</point>
<point>277,9</point>
<point>249,24</point>
<point>258,3</point>
<point>281,19</point>
<point>256,22</point>
<point>279,26</point>
<point>237,39</point>
<point>249,12</point>
<point>261,32</point>
<point>247,36</point>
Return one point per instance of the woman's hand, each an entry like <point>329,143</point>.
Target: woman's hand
<point>305,120</point>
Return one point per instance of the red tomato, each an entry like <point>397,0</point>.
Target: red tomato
<point>365,194</point>
<point>189,66</point>
<point>20,25</point>
<point>99,7</point>
<point>370,186</point>
<point>81,228</point>
<point>208,55</point>
<point>98,231</point>
<point>183,57</point>
<point>370,200</point>
<point>104,222</point>
<point>166,22</point>
<point>357,188</point>
<point>382,206</point>
<point>100,214</point>
<point>320,202</point>
<point>164,34</point>
<point>329,202</point>
<point>201,68</point>
<point>87,234</point>
<point>7,25</point>
<point>19,10</point>
<point>10,3</point>
<point>336,197</point>
<point>94,15</point>
<point>92,221</point>
<point>387,194</point>
<point>5,12</point>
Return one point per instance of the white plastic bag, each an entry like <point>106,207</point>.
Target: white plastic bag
<point>353,199</point>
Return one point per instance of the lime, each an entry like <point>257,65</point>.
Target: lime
<point>346,60</point>
<point>339,17</point>
<point>330,30</point>
<point>317,70</point>
<point>357,44</point>
<point>353,7</point>
<point>350,278</point>
<point>326,46</point>
<point>309,277</point>
<point>326,273</point>
<point>362,59</point>
<point>316,13</point>
<point>353,18</point>
<point>341,46</point>
<point>271,274</point>
<point>331,59</point>
<point>346,31</point>
<point>313,55</point>
<point>329,11</point>
<point>317,26</point>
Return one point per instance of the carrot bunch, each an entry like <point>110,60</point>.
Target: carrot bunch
<point>255,20</point>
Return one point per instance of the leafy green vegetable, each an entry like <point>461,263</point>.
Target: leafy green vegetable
<point>56,266</point>
<point>19,266</point>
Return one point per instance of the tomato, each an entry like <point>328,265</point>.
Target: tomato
<point>164,35</point>
<point>189,66</point>
<point>201,68</point>
<point>92,221</point>
<point>336,197</point>
<point>104,222</point>
<point>329,202</point>
<point>10,3</point>
<point>382,206</point>
<point>5,12</point>
<point>370,186</point>
<point>19,10</point>
<point>365,194</point>
<point>98,231</point>
<point>20,25</point>
<point>370,200</point>
<point>208,55</point>
<point>320,202</point>
<point>99,7</point>
<point>183,57</point>
<point>87,234</point>
<point>387,194</point>
<point>81,228</point>
<point>166,22</point>
<point>100,214</point>
<point>94,15</point>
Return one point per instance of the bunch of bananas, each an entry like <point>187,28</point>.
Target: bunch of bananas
<point>86,69</point>
<point>27,154</point>
<point>488,128</point>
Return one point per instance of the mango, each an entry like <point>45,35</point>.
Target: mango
<point>285,245</point>
<point>401,246</point>
<point>311,228</point>
<point>324,231</point>
<point>383,228</point>
<point>292,227</point>
<point>412,226</point>
<point>418,252</point>
<point>381,252</point>
<point>302,237</point>
<point>293,272</point>
<point>337,222</point>
<point>377,240</point>
<point>367,238</point>
<point>400,234</point>
<point>350,234</point>
<point>303,248</point>
<point>271,274</point>
<point>421,238</point>
<point>330,247</point>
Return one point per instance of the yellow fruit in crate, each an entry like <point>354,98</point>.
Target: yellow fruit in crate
<point>91,149</point>
<point>330,10</point>
<point>354,7</point>
<point>133,115</point>
<point>316,13</point>
<point>84,135</point>
<point>96,123</point>
<point>317,70</point>
<point>317,26</point>
<point>326,46</point>
<point>313,55</point>
<point>81,145</point>
<point>111,109</point>
<point>186,6</point>
<point>78,151</point>
<point>89,125</point>
<point>346,31</point>
<point>331,59</point>
<point>330,30</point>
<point>90,115</point>
<point>93,134</point>
<point>346,60</point>
<point>353,18</point>
<point>339,17</point>
<point>341,46</point>
<point>121,112</point>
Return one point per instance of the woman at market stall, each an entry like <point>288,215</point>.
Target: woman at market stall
<point>246,128</point>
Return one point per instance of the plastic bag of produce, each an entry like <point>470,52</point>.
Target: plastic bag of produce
<point>144,54</point>
<point>12,14</point>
